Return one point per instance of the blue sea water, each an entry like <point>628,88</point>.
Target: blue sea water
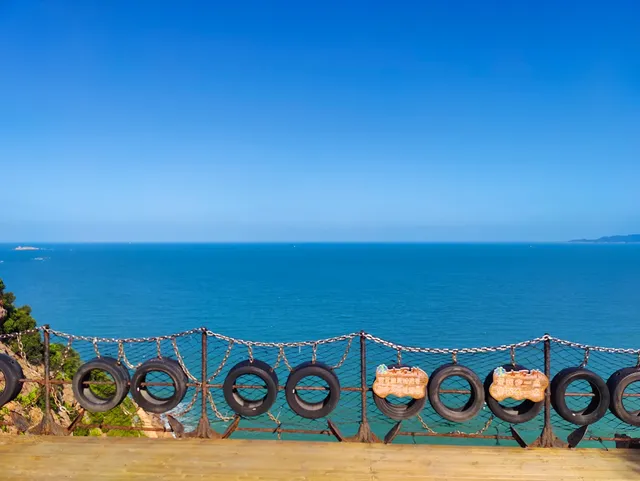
<point>420,294</point>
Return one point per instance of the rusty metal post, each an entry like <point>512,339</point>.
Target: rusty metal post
<point>364,434</point>
<point>363,378</point>
<point>203,383</point>
<point>47,370</point>
<point>547,438</point>
<point>203,430</point>
<point>47,425</point>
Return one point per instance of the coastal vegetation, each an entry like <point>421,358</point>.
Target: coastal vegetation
<point>28,349</point>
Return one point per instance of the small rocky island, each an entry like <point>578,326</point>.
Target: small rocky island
<point>614,239</point>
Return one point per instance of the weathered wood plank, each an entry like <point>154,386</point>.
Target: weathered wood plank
<point>48,458</point>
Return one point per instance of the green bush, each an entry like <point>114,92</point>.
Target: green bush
<point>17,319</point>
<point>63,366</point>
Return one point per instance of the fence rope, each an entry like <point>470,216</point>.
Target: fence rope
<point>345,337</point>
<point>283,357</point>
<point>214,408</point>
<point>344,356</point>
<point>586,357</point>
<point>11,335</point>
<point>174,343</point>
<point>20,346</point>
<point>479,432</point>
<point>189,406</point>
<point>122,356</point>
<point>222,363</point>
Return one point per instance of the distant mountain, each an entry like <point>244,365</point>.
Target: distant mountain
<point>614,239</point>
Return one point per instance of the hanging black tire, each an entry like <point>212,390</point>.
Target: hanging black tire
<point>598,405</point>
<point>13,374</point>
<point>318,409</point>
<point>242,405</point>
<point>154,403</point>
<point>523,412</point>
<point>89,398</point>
<point>476,398</point>
<point>617,383</point>
<point>400,412</point>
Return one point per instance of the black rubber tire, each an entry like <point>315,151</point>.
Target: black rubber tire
<point>523,412</point>
<point>617,383</point>
<point>399,412</point>
<point>150,402</point>
<point>598,405</point>
<point>318,409</point>
<point>12,372</point>
<point>87,398</point>
<point>249,407</point>
<point>476,399</point>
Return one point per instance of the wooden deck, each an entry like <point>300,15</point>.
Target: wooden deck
<point>63,458</point>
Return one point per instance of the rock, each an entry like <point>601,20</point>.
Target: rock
<point>152,421</point>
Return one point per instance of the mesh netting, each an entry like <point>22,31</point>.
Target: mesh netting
<point>345,356</point>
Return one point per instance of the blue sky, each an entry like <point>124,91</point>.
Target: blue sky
<point>266,121</point>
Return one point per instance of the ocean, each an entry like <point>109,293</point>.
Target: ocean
<point>451,295</point>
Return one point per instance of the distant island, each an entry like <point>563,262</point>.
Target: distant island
<point>614,239</point>
<point>26,248</point>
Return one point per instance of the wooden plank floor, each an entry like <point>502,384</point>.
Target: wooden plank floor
<point>63,458</point>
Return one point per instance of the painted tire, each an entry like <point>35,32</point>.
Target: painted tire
<point>598,405</point>
<point>250,407</point>
<point>152,402</point>
<point>307,409</point>
<point>400,412</point>
<point>92,401</point>
<point>12,372</point>
<point>476,400</point>
<point>523,412</point>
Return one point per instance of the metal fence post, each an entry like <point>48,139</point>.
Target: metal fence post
<point>363,378</point>
<point>47,370</point>
<point>47,425</point>
<point>364,434</point>
<point>547,438</point>
<point>203,383</point>
<point>204,428</point>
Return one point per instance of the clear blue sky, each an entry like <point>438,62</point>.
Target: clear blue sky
<point>261,121</point>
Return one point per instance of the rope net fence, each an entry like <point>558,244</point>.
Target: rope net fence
<point>351,357</point>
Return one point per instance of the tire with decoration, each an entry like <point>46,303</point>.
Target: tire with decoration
<point>400,411</point>
<point>154,403</point>
<point>90,398</point>
<point>312,410</point>
<point>520,413</point>
<point>12,372</point>
<point>476,398</point>
<point>245,406</point>
<point>597,407</point>
<point>617,384</point>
